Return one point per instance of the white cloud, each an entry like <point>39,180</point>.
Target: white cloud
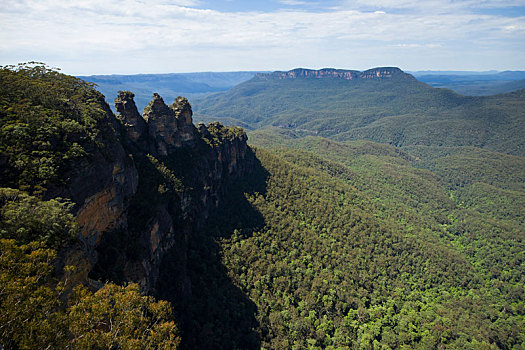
<point>125,36</point>
<point>417,46</point>
<point>292,2</point>
<point>429,6</point>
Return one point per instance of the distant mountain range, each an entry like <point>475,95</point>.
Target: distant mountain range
<point>168,85</point>
<point>194,85</point>
<point>381,104</point>
<point>474,83</point>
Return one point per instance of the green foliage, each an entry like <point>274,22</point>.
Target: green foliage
<point>488,223</point>
<point>48,120</point>
<point>26,218</point>
<point>218,133</point>
<point>120,318</point>
<point>32,309</point>
<point>171,180</point>
<point>30,313</point>
<point>399,111</point>
<point>33,314</point>
<point>351,257</point>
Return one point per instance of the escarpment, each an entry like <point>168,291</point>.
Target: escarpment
<point>139,185</point>
<point>326,73</point>
<point>183,173</point>
<point>88,198</point>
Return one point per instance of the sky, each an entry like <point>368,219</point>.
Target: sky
<point>84,37</point>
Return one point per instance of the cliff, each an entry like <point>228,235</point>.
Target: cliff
<point>139,185</point>
<point>327,73</point>
<point>183,173</point>
<point>115,198</point>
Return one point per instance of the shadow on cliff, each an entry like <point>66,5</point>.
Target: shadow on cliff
<point>213,313</point>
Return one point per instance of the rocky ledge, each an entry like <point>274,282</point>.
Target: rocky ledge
<point>325,73</point>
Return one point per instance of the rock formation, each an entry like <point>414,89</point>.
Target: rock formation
<point>101,186</point>
<point>169,127</point>
<point>146,185</point>
<point>138,210</point>
<point>133,122</point>
<point>374,73</point>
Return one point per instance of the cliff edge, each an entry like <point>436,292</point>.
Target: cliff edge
<point>331,73</point>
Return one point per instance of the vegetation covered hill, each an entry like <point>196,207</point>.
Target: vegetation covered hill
<point>372,254</point>
<point>310,243</point>
<point>464,204</point>
<point>398,110</point>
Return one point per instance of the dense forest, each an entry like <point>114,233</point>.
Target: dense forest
<point>335,266</point>
<point>308,243</point>
<point>397,110</point>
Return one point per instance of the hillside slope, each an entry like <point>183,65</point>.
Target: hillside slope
<point>470,200</point>
<point>391,108</point>
<point>313,243</point>
<point>371,254</point>
<point>89,199</point>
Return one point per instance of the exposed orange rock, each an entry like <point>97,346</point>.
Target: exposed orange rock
<point>100,212</point>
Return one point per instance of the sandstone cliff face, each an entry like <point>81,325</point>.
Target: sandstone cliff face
<point>104,187</point>
<point>101,186</point>
<point>230,159</point>
<point>382,72</point>
<point>183,172</point>
<point>148,183</point>
<point>374,73</point>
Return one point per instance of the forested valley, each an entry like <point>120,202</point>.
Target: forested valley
<point>386,214</point>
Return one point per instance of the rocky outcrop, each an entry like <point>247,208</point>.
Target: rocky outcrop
<point>103,187</point>
<point>184,116</point>
<point>310,73</point>
<point>230,159</point>
<point>146,185</point>
<point>134,124</point>
<point>216,159</point>
<point>330,73</point>
<point>170,127</point>
<point>382,73</point>
<point>183,174</point>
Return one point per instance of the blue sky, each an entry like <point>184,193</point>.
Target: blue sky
<point>144,36</point>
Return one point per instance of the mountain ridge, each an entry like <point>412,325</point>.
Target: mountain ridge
<point>169,85</point>
<point>382,105</point>
<point>326,73</point>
